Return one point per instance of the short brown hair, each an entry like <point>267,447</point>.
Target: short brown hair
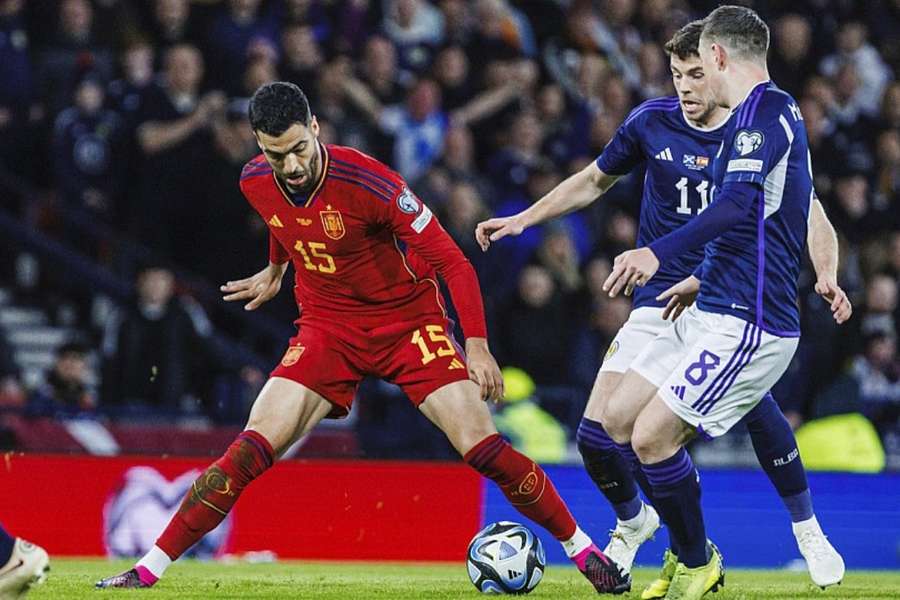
<point>686,41</point>
<point>739,28</point>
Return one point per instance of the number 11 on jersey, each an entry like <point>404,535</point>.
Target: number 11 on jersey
<point>702,189</point>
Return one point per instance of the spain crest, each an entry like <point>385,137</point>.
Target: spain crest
<point>332,223</point>
<point>292,355</point>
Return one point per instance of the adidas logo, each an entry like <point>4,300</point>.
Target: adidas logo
<point>664,155</point>
<point>678,390</point>
<point>275,221</point>
<point>455,364</point>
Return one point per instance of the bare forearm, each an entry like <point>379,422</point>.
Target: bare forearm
<point>823,243</point>
<point>484,105</point>
<point>573,194</point>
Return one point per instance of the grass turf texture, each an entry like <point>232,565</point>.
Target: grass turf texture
<point>74,579</point>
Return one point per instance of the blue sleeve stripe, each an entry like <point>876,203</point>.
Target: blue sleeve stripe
<point>258,173</point>
<point>363,184</point>
<point>650,105</point>
<point>372,175</point>
<point>364,176</point>
<point>748,110</point>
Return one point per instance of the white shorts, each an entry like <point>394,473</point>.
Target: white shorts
<point>641,328</point>
<point>712,369</point>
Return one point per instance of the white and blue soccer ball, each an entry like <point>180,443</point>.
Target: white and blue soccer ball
<point>505,558</point>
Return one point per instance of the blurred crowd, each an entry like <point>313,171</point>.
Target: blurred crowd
<point>134,113</point>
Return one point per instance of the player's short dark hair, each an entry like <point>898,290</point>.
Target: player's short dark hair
<point>686,41</point>
<point>740,29</point>
<point>275,106</point>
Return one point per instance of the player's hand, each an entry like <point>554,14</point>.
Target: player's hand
<point>483,369</point>
<point>841,308</point>
<point>497,229</point>
<point>631,268</point>
<point>681,295</point>
<point>258,288</point>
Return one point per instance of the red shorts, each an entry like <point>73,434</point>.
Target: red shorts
<point>332,357</point>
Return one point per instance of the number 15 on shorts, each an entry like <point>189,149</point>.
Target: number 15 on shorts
<point>433,343</point>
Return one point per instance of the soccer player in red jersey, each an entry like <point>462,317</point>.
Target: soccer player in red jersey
<point>366,252</point>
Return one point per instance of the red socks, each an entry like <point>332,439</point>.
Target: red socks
<point>524,484</point>
<point>216,491</point>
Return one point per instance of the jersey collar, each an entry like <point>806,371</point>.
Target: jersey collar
<point>302,199</point>
<point>750,91</point>
<point>709,129</point>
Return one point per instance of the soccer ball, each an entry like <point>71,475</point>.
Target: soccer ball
<point>505,558</point>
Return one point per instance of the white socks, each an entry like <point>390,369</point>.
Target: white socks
<point>156,561</point>
<point>577,543</point>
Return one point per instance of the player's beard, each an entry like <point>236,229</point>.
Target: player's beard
<point>704,118</point>
<point>312,177</point>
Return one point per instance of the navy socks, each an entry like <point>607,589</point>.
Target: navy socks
<point>676,491</point>
<point>609,470</point>
<point>776,448</point>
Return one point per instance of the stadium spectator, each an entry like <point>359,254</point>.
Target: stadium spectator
<point>149,354</point>
<point>65,391</point>
<point>87,148</point>
<point>417,127</point>
<point>854,49</point>
<point>877,374</point>
<point>124,95</point>
<point>17,91</point>
<point>792,57</point>
<point>174,134</point>
<point>240,32</point>
<point>12,394</point>
<point>170,25</point>
<point>416,28</point>
<point>75,49</point>
<point>532,329</point>
<point>301,56</point>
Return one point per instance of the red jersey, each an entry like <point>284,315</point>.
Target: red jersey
<point>362,244</point>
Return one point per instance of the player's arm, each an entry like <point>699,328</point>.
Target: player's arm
<point>636,267</point>
<point>262,286</point>
<point>764,142</point>
<point>624,152</point>
<point>576,192</point>
<point>823,253</point>
<point>424,235</point>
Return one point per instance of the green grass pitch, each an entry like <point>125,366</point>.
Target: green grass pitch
<point>74,579</point>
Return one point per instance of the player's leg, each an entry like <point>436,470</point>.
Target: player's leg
<point>658,439</point>
<point>283,411</point>
<point>522,481</point>
<point>613,468</point>
<point>616,472</point>
<point>776,448</point>
<point>22,564</point>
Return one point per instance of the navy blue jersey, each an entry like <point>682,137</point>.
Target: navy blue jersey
<point>677,185</point>
<point>751,270</point>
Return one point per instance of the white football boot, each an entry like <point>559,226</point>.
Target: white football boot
<point>826,567</point>
<point>27,566</point>
<point>627,537</point>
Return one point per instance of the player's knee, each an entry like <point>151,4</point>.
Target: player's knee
<point>651,446</point>
<point>617,424</point>
<point>471,437</point>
